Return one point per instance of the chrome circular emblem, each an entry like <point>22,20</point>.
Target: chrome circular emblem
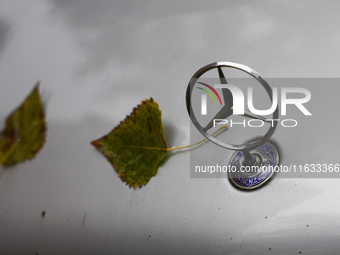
<point>254,162</point>
<point>266,158</point>
<point>228,108</point>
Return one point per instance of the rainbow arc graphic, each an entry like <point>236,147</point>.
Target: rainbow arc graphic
<point>204,97</point>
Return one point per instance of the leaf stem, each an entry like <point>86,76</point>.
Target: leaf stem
<point>190,145</point>
<point>173,148</point>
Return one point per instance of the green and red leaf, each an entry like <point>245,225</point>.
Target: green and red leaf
<point>137,145</point>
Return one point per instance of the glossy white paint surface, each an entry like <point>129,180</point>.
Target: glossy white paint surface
<point>96,61</point>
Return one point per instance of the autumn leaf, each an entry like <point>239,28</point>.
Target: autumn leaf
<point>137,145</point>
<point>25,130</point>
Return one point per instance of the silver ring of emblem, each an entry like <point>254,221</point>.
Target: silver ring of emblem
<point>253,73</point>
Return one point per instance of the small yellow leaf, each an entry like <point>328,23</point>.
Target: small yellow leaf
<point>25,131</point>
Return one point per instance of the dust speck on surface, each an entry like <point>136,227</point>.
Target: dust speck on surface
<point>231,238</point>
<point>270,249</point>
<point>300,252</point>
<point>43,214</point>
<point>265,217</point>
<point>84,218</point>
<point>307,226</point>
